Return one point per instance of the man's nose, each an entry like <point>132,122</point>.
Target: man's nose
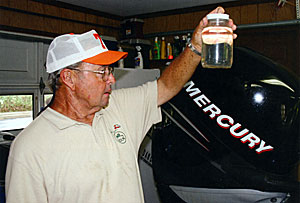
<point>111,79</point>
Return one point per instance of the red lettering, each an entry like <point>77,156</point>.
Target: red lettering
<point>236,127</point>
<point>98,37</point>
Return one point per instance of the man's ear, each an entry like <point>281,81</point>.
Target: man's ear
<point>67,77</point>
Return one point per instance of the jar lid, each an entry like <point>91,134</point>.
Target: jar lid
<point>218,15</point>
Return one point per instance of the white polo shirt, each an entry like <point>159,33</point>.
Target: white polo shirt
<point>56,159</point>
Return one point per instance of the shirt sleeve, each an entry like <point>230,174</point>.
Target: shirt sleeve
<point>139,108</point>
<point>22,185</point>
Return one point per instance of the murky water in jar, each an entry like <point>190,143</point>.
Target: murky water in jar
<point>217,47</point>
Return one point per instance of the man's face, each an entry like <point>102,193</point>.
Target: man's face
<point>93,89</point>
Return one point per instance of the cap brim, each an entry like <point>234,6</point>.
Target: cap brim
<point>106,58</point>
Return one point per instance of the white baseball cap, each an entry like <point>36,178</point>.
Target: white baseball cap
<point>71,48</point>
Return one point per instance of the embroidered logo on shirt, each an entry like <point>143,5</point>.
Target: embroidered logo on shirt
<point>119,135</point>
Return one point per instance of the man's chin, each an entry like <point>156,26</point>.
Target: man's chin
<point>105,100</point>
<point>104,105</point>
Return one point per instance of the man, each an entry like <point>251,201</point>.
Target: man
<point>84,148</point>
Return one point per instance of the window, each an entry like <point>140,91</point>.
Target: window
<point>47,99</point>
<point>15,111</point>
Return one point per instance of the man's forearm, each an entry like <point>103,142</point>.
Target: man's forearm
<point>176,75</point>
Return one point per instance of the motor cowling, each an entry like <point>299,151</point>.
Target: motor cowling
<point>231,128</point>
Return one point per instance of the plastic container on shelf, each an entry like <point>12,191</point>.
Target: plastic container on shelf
<point>176,46</point>
<point>169,51</point>
<point>121,61</point>
<point>139,58</point>
<point>156,49</point>
<point>163,51</point>
<point>183,42</point>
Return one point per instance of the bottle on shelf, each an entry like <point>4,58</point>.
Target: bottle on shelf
<point>163,49</point>
<point>150,55</point>
<point>183,42</point>
<point>169,51</point>
<point>156,49</point>
<point>188,38</point>
<point>176,46</point>
<point>121,61</point>
<point>138,59</point>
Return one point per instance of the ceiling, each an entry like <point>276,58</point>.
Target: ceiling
<point>125,8</point>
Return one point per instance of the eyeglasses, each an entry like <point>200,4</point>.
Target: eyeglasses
<point>103,73</point>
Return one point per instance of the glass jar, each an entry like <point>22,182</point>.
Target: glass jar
<point>217,42</point>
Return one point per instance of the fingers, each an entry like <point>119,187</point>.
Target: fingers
<point>203,22</point>
<point>232,25</point>
<point>219,9</point>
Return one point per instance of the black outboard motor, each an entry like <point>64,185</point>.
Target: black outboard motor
<point>231,135</point>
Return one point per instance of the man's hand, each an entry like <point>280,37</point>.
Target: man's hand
<point>197,35</point>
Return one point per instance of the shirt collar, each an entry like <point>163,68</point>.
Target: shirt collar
<point>61,121</point>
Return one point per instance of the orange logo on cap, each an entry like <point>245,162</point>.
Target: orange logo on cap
<point>98,37</point>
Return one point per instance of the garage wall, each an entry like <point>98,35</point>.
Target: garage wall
<point>244,12</point>
<point>51,19</point>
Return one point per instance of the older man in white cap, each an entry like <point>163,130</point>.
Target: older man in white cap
<point>84,147</point>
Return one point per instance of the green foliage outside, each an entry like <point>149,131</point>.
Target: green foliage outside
<point>15,103</point>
